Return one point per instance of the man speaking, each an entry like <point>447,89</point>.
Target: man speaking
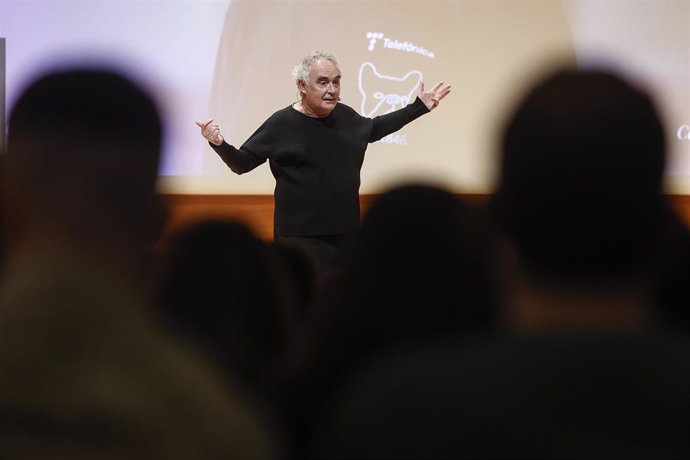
<point>315,148</point>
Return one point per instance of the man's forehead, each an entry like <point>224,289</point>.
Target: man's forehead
<point>324,68</point>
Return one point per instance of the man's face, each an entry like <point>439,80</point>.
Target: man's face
<point>321,92</point>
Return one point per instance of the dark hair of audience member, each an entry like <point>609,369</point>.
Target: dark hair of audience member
<point>580,191</point>
<point>219,289</point>
<point>78,147</point>
<point>418,271</point>
<point>672,274</point>
<point>583,371</point>
<point>299,270</point>
<point>87,371</point>
<point>419,268</point>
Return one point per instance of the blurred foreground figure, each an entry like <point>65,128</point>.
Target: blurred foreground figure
<point>86,371</point>
<point>222,288</point>
<point>417,272</point>
<point>586,368</point>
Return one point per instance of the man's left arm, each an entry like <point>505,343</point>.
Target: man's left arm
<point>425,102</point>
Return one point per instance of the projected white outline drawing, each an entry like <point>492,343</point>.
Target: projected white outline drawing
<point>396,101</point>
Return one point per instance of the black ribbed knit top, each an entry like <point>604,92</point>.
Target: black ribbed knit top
<point>316,163</point>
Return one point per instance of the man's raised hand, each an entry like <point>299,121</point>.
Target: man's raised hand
<point>433,97</point>
<point>210,131</point>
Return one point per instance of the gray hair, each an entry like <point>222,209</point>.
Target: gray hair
<point>301,70</point>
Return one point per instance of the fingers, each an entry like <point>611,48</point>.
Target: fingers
<point>213,134</point>
<point>433,97</point>
<point>202,124</point>
<point>439,91</point>
<point>441,88</point>
<point>209,130</point>
<point>443,92</point>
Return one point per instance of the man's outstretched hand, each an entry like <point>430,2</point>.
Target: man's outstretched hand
<point>432,98</point>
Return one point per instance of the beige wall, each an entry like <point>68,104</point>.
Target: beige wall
<point>487,49</point>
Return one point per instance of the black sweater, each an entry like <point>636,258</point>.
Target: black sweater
<point>316,163</point>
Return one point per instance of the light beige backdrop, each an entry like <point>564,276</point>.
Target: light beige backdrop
<point>487,49</point>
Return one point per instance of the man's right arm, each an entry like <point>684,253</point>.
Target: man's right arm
<point>238,160</point>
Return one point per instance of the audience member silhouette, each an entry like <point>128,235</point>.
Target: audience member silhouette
<point>302,270</point>
<point>671,291</point>
<point>86,371</point>
<point>417,271</point>
<point>585,370</point>
<point>227,291</point>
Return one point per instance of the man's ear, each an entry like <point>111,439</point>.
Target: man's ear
<point>301,86</point>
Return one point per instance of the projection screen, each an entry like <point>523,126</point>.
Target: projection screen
<point>231,60</point>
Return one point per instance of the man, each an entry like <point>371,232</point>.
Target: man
<point>315,149</point>
<point>86,370</point>
<point>583,369</point>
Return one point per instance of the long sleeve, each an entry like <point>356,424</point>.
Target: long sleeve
<point>316,163</point>
<point>239,160</point>
<point>384,125</point>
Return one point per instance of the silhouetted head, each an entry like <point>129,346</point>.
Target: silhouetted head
<point>420,267</point>
<point>219,289</point>
<point>83,148</point>
<point>580,189</point>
